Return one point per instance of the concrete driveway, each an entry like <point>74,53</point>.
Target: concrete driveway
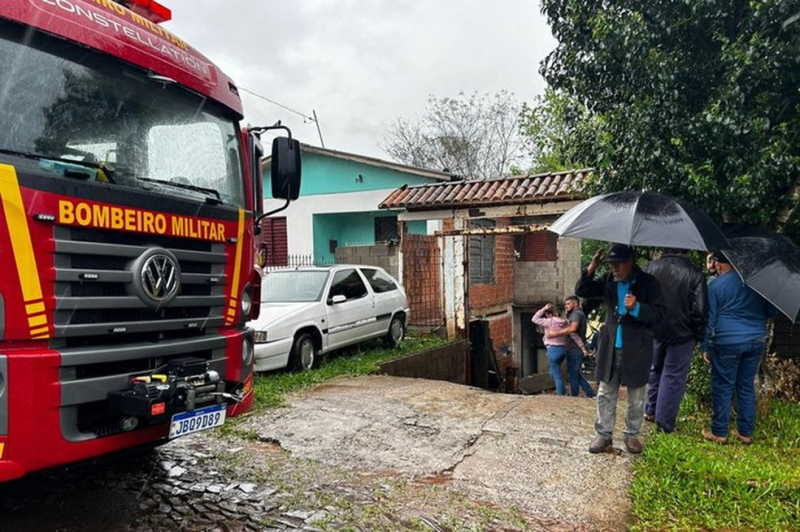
<point>512,451</point>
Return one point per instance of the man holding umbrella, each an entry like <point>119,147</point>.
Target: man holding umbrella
<point>625,350</point>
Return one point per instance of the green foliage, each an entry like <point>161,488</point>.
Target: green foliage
<point>694,99</point>
<point>684,483</point>
<point>698,386</point>
<point>364,359</point>
<point>556,127</point>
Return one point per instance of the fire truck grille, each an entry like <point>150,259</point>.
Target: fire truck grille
<point>95,296</point>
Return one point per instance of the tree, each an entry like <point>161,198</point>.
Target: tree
<point>472,136</point>
<point>694,99</point>
<point>558,133</point>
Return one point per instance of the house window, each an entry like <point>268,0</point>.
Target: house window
<point>386,228</point>
<point>481,254</point>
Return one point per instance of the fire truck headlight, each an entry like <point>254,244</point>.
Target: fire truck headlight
<point>247,302</point>
<point>247,353</point>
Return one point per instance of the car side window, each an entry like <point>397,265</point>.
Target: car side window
<point>379,281</point>
<point>348,283</point>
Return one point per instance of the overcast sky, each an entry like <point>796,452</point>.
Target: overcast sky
<point>361,64</point>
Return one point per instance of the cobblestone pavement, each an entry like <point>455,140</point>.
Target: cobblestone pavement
<point>176,487</point>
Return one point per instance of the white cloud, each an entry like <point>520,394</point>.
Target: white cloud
<point>360,64</point>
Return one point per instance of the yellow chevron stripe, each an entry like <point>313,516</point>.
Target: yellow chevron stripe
<point>2,448</point>
<point>35,321</point>
<point>237,263</point>
<point>40,331</point>
<point>20,234</point>
<point>34,308</point>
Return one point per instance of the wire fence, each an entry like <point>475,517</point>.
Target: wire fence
<point>300,261</point>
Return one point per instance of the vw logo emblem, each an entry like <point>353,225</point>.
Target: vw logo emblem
<point>156,277</point>
<point>160,277</point>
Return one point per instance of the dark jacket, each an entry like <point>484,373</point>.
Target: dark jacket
<point>637,332</point>
<point>685,293</point>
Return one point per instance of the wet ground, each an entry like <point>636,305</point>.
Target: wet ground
<point>368,453</point>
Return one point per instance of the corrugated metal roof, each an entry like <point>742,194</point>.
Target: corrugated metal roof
<point>542,188</point>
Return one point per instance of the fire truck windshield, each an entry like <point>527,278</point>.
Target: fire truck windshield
<point>66,104</point>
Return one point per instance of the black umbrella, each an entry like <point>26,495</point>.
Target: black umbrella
<point>641,218</point>
<point>770,266</point>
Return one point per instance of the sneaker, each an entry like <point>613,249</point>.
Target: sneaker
<point>744,439</point>
<point>650,417</point>
<point>633,445</point>
<point>599,444</point>
<point>710,436</point>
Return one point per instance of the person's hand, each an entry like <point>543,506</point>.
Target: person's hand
<point>549,334</point>
<point>587,353</point>
<point>597,259</point>
<point>706,358</point>
<point>630,301</point>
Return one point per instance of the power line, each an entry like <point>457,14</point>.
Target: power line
<point>306,118</point>
<point>273,102</point>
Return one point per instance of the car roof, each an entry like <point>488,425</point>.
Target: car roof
<point>331,268</point>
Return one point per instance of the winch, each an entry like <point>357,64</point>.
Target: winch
<point>185,384</point>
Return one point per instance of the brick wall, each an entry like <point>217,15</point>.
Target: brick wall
<point>446,363</point>
<point>422,280</point>
<point>500,329</point>
<point>492,302</point>
<point>485,298</point>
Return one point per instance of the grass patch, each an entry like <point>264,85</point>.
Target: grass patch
<point>684,483</point>
<point>364,359</point>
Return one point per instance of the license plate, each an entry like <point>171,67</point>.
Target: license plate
<point>197,420</point>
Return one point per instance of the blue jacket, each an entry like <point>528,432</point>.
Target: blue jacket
<point>736,313</point>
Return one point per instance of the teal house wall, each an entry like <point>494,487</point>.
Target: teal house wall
<point>339,197</point>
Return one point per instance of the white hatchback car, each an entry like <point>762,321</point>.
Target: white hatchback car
<point>308,312</point>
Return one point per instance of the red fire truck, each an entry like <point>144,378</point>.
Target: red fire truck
<point>129,202</point>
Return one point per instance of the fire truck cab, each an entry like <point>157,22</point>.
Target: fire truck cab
<point>129,201</point>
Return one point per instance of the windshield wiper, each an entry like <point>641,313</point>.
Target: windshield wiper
<point>187,186</point>
<point>105,171</point>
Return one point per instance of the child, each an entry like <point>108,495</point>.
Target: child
<point>547,318</point>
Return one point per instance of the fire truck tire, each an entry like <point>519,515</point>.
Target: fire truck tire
<point>304,353</point>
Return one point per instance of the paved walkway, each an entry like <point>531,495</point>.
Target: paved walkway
<point>527,452</point>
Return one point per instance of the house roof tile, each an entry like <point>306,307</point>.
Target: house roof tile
<point>556,186</point>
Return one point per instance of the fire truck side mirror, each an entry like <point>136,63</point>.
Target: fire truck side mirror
<point>286,168</point>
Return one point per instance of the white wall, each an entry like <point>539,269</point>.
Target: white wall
<point>299,214</point>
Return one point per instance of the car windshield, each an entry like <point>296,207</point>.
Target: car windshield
<point>80,114</point>
<point>293,286</point>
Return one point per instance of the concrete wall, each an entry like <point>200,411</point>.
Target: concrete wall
<point>538,282</point>
<point>387,257</point>
<point>446,363</point>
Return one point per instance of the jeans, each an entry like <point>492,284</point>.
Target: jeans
<point>576,378</point>
<point>734,367</point>
<point>668,376</point>
<point>555,356</point>
<point>607,405</point>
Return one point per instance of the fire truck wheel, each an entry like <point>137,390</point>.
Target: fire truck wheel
<point>396,333</point>
<point>304,353</point>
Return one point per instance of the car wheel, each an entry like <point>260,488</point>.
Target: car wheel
<point>304,353</point>
<point>396,333</point>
